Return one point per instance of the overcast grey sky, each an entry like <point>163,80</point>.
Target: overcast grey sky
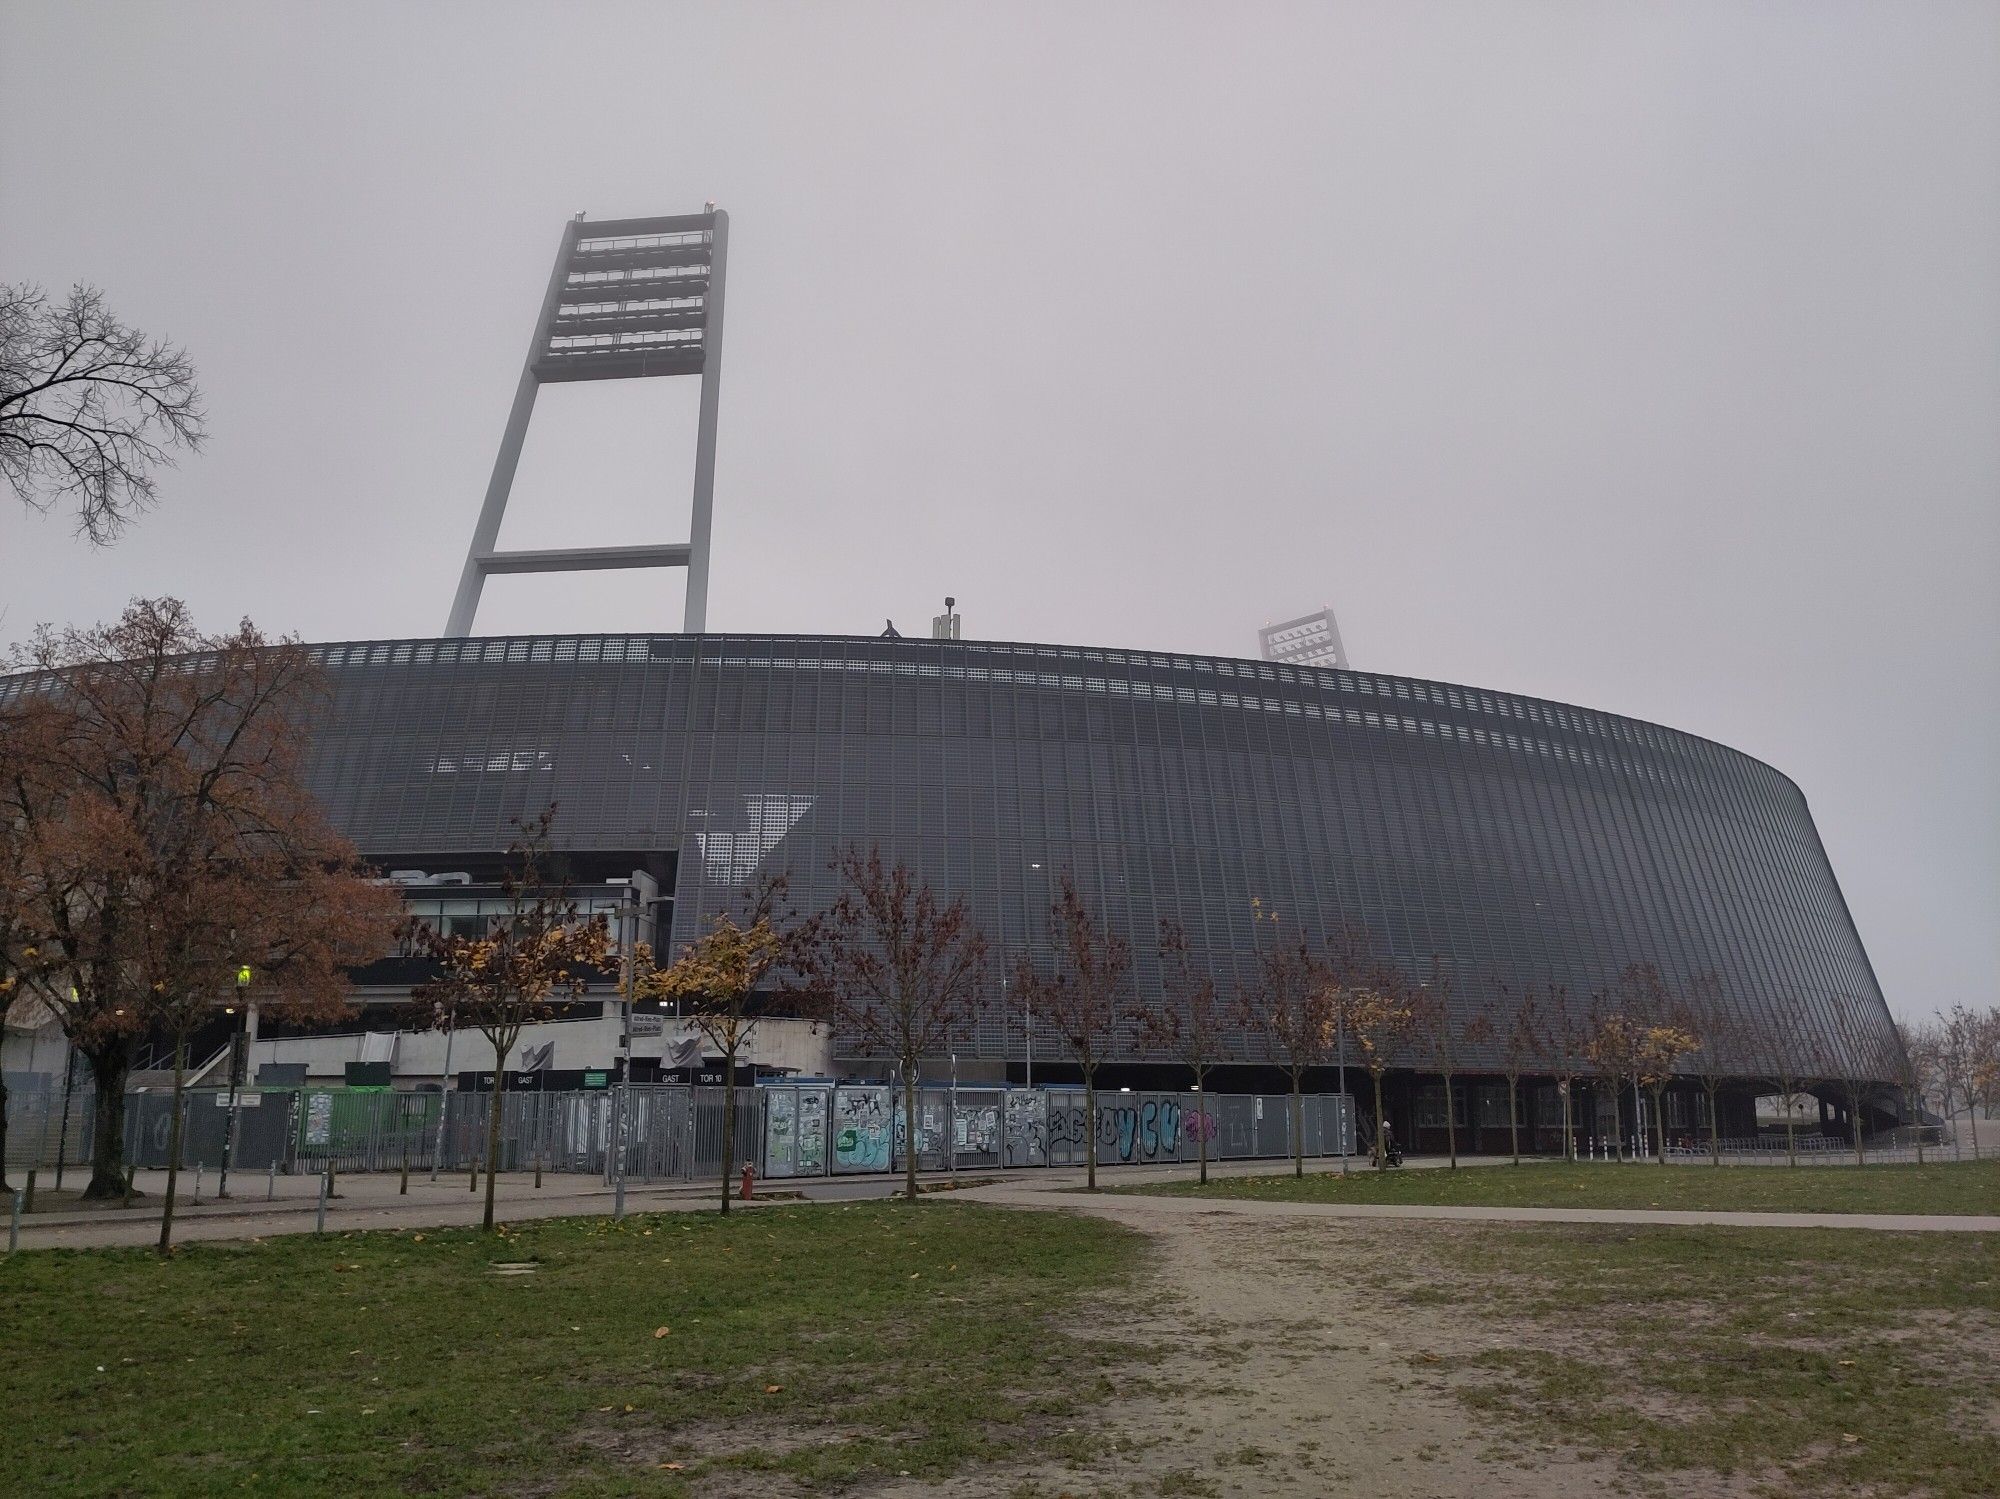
<point>1642,356</point>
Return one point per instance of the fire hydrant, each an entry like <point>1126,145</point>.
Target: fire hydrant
<point>749,1175</point>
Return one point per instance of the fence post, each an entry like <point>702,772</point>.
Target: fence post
<point>403,1190</point>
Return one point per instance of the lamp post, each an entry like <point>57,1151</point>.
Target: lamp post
<point>237,1060</point>
<point>444,1100</point>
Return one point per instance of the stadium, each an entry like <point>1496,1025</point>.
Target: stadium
<point>1510,844</point>
<point>1519,842</point>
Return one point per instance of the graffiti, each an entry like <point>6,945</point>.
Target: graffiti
<point>1026,1131</point>
<point>812,1132</point>
<point>1200,1126</point>
<point>860,1129</point>
<point>1146,1131</point>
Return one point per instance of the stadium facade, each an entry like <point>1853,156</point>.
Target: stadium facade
<point>1518,841</point>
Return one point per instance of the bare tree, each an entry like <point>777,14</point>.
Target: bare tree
<point>1187,1022</point>
<point>1923,1056</point>
<point>1441,1038</point>
<point>1723,1051</point>
<point>537,954</point>
<point>1083,998</point>
<point>896,969</point>
<point>89,408</point>
<point>1516,1025</point>
<point>1294,1005</point>
<point>1780,1039</point>
<point>1564,1027</point>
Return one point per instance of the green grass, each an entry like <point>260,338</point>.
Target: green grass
<point>826,1343</point>
<point>1806,1362</point>
<point>1971,1187</point>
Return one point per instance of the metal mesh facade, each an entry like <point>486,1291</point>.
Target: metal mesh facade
<point>1520,840</point>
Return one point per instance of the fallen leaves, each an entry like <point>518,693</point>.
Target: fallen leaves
<point>661,1332</point>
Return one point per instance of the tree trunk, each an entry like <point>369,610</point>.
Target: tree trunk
<point>1381,1156</point>
<point>1915,1107</point>
<point>174,1146</point>
<point>1854,1122</point>
<point>1714,1127</point>
<point>1659,1125</point>
<point>493,1110</point>
<point>1298,1128</point>
<point>1201,1126</point>
<point>1514,1117</point>
<point>108,1069</point>
<point>1090,1128</point>
<point>728,1123</point>
<point>909,1131</point>
<point>1957,1141</point>
<point>1791,1130</point>
<point>3,1134</point>
<point>1569,1134</point>
<point>1451,1120</point>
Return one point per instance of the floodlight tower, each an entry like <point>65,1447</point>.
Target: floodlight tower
<point>629,298</point>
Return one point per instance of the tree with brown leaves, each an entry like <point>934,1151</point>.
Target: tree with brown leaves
<point>1723,1053</point>
<point>153,779</point>
<point>88,407</point>
<point>713,982</point>
<point>1564,1028</point>
<point>1082,998</point>
<point>1186,1022</point>
<point>898,971</point>
<point>1294,1004</point>
<point>1378,1015</point>
<point>536,955</point>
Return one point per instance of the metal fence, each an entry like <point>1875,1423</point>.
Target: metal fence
<point>674,1132</point>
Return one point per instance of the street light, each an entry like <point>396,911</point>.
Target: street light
<point>237,1060</point>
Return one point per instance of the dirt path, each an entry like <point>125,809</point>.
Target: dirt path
<point>1278,1379</point>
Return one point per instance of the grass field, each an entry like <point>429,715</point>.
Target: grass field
<point>675,1354</point>
<point>1972,1187</point>
<point>1806,1362</point>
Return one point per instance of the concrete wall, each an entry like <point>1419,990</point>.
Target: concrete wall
<point>801,1046</point>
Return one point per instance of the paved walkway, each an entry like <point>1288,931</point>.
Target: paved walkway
<point>1035,1195</point>
<point>367,1201</point>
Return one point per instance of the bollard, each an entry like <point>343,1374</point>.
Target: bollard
<point>749,1175</point>
<point>28,1197</point>
<point>325,1184</point>
<point>14,1224</point>
<point>331,1182</point>
<point>131,1178</point>
<point>472,1176</point>
<point>404,1189</point>
<point>271,1186</point>
<point>538,1171</point>
<point>195,1200</point>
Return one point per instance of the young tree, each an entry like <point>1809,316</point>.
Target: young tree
<point>1442,1039</point>
<point>1922,1055</point>
<point>536,955</point>
<point>144,759</point>
<point>1660,1053</point>
<point>1187,1022</point>
<point>1378,1018</point>
<point>1851,1058</point>
<point>1516,1025</point>
<point>287,910</point>
<point>1294,1005</point>
<point>1083,998</point>
<point>713,980</point>
<point>896,969</point>
<point>1779,1040</point>
<point>1961,1048</point>
<point>1564,1031</point>
<point>1723,1052</point>
<point>88,407</point>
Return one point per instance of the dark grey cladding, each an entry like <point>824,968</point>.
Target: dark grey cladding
<point>1518,839</point>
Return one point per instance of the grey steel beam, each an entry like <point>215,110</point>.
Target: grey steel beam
<point>696,618</point>
<point>465,604</point>
<point>584,559</point>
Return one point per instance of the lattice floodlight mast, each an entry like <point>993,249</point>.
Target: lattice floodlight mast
<point>629,298</point>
